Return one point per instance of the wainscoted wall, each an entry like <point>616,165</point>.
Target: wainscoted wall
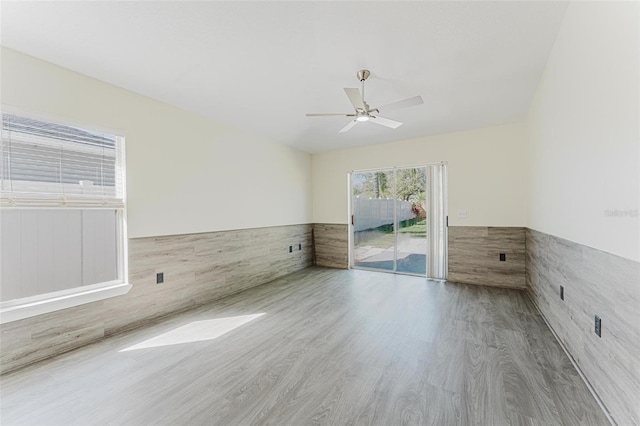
<point>331,243</point>
<point>595,283</point>
<point>198,268</point>
<point>474,255</point>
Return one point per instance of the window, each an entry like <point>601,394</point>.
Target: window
<point>62,218</point>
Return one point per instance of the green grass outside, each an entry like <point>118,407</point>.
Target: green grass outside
<point>418,229</point>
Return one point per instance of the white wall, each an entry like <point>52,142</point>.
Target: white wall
<point>185,174</point>
<point>486,174</point>
<point>583,147</point>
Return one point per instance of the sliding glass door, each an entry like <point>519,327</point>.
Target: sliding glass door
<point>411,241</point>
<point>374,219</point>
<point>399,220</point>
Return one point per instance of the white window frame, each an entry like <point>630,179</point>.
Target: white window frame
<point>18,309</point>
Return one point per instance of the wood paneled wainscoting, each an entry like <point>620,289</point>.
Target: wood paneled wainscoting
<point>474,255</point>
<point>595,283</point>
<point>331,242</point>
<point>197,268</point>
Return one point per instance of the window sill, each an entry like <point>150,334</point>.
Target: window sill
<point>25,308</point>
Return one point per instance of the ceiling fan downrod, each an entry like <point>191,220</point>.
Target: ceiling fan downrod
<point>362,76</point>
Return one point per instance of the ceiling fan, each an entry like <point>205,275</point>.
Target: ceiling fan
<point>365,113</point>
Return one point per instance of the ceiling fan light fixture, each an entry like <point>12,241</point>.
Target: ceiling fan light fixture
<point>362,118</point>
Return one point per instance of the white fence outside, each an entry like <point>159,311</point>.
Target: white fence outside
<point>373,213</point>
<point>47,250</point>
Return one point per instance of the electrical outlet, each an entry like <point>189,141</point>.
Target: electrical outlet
<point>462,214</point>
<point>561,293</point>
<point>299,246</point>
<point>598,329</point>
<point>503,257</point>
<point>159,277</point>
<point>290,249</point>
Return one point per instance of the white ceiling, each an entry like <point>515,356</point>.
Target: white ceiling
<point>261,66</point>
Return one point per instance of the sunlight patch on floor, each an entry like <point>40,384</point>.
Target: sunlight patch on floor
<point>196,331</point>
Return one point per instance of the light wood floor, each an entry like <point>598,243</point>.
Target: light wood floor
<point>332,347</point>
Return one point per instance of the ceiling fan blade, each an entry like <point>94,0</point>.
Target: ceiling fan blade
<point>385,122</point>
<point>348,126</point>
<point>330,115</point>
<point>404,103</point>
<point>355,97</point>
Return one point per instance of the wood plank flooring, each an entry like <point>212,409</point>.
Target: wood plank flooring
<point>332,347</point>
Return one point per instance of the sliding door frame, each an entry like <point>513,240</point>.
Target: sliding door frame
<point>351,213</point>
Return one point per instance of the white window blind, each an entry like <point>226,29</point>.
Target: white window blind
<point>53,165</point>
